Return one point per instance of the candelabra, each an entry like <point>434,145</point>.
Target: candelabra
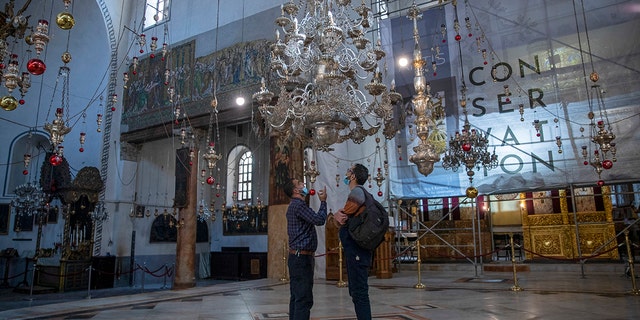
<point>427,153</point>
<point>319,63</point>
<point>601,133</point>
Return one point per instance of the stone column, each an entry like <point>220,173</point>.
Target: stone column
<point>185,273</point>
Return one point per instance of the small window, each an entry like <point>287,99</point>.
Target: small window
<point>245,172</point>
<point>32,144</point>
<point>155,12</point>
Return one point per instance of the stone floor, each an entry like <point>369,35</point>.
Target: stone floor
<point>451,291</point>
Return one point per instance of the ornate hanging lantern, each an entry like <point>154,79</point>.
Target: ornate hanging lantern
<point>427,115</point>
<point>601,134</point>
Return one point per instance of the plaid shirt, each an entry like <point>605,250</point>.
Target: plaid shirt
<point>301,222</point>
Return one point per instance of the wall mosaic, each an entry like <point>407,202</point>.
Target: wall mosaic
<point>148,100</point>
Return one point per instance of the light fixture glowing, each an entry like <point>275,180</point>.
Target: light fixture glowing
<point>240,101</point>
<point>403,62</point>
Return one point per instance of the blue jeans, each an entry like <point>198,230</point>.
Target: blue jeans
<point>301,286</point>
<point>358,263</point>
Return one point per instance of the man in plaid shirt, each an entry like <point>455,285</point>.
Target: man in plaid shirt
<point>303,242</point>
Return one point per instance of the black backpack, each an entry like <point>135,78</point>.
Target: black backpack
<point>368,228</point>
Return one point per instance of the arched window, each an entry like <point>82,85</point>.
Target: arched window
<point>245,172</point>
<point>33,144</point>
<point>240,174</point>
<point>155,12</point>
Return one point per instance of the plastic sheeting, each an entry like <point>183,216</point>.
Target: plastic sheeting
<point>541,51</point>
<point>538,52</point>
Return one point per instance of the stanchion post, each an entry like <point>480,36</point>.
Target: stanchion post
<point>33,276</point>
<point>89,285</point>
<point>7,264</point>
<point>419,285</point>
<point>164,284</point>
<point>284,263</point>
<point>634,291</point>
<point>173,272</point>
<point>144,269</point>
<point>132,272</point>
<point>515,286</point>
<point>341,283</point>
<point>24,282</point>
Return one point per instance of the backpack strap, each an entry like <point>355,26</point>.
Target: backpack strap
<point>367,197</point>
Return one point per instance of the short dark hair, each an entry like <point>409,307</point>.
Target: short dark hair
<point>288,187</point>
<point>361,172</point>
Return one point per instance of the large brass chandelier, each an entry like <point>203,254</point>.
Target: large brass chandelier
<point>319,62</point>
<point>427,113</point>
<point>469,148</point>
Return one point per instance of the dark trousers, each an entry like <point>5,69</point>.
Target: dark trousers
<point>358,262</point>
<point>301,286</point>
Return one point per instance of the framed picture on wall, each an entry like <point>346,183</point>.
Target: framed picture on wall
<point>139,211</point>
<point>5,208</point>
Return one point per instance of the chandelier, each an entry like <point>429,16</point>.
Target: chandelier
<point>469,148</point>
<point>319,62</point>
<point>211,157</point>
<point>205,212</point>
<point>14,25</point>
<point>99,212</point>
<point>428,115</point>
<point>58,128</point>
<point>601,133</point>
<point>29,200</point>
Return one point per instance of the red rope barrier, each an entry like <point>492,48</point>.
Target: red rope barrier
<point>164,265</point>
<point>459,257</point>
<point>65,275</point>
<point>167,271</point>
<point>403,252</point>
<point>118,273</point>
<point>490,253</point>
<point>153,273</point>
